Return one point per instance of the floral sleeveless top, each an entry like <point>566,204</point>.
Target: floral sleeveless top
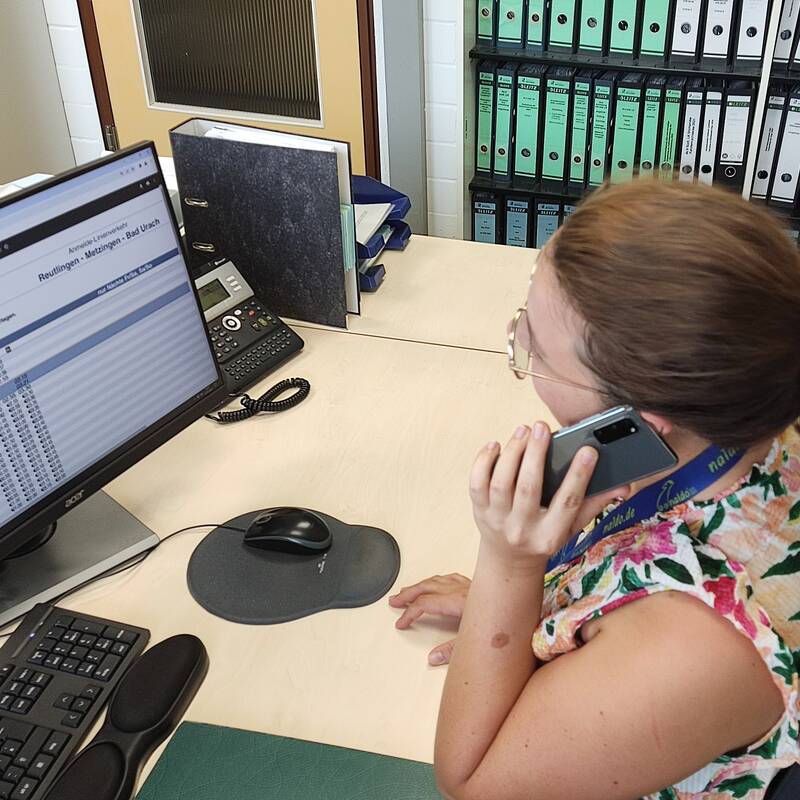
<point>740,554</point>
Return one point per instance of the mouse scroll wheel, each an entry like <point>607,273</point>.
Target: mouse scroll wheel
<point>262,518</point>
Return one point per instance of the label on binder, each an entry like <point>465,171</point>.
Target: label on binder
<point>485,221</point>
<point>509,23</point>
<point>654,29</point>
<point>555,129</point>
<point>623,26</point>
<point>517,211</point>
<point>787,30</point>
<point>691,134</point>
<point>669,133</point>
<point>483,158</point>
<point>769,143</point>
<point>753,20</point>
<point>486,21</point>
<point>626,129</point>
<point>708,143</point>
<point>568,210</point>
<point>684,34</point>
<point>546,222</point>
<point>592,26</point>
<point>650,118</point>
<point>719,19</point>
<point>535,37</point>
<point>502,132</point>
<point>580,125</point>
<point>527,138</point>
<point>784,187</point>
<point>599,141</point>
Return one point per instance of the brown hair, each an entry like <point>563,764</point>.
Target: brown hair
<point>691,301</point>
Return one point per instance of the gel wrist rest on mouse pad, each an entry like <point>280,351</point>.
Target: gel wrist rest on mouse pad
<point>208,762</point>
<point>261,587</point>
<point>146,707</point>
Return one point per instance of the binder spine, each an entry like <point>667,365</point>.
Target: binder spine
<point>526,140</point>
<point>487,23</point>
<point>785,182</point>
<point>651,123</point>
<point>501,164</point>
<point>684,32</point>
<point>484,142</point>
<point>735,130</point>
<point>562,26</point>
<point>510,21</point>
<point>655,26</point>
<point>517,219</point>
<point>626,132</point>
<point>592,27</point>
<point>578,140</point>
<point>547,221</point>
<point>556,123</point>
<point>601,121</point>
<point>787,31</point>
<point>693,111</point>
<point>717,38</point>
<point>752,25</point>
<point>770,138</point>
<point>484,218</point>
<point>708,145</point>
<point>670,133</point>
<point>537,25</point>
<point>624,19</point>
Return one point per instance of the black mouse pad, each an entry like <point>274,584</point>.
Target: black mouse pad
<point>263,587</point>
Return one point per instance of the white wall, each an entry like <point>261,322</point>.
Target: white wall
<point>72,66</point>
<point>444,115</point>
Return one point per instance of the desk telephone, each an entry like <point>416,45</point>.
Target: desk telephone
<point>249,340</point>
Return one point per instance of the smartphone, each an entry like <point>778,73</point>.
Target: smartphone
<point>629,450</point>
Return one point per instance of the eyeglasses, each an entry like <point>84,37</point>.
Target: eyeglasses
<point>519,355</point>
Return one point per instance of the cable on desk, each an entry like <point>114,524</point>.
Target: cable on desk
<point>266,403</point>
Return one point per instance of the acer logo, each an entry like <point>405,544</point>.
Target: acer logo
<point>76,498</point>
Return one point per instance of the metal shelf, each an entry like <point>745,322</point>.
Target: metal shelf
<point>480,183</point>
<point>609,62</point>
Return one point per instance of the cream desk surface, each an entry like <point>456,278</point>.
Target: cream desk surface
<point>386,438</point>
<point>446,291</point>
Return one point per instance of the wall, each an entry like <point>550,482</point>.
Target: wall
<point>444,115</point>
<point>72,67</point>
<point>34,130</point>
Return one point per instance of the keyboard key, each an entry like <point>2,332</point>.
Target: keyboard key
<point>54,633</point>
<point>14,687</point>
<point>38,657</point>
<point>23,674</point>
<point>52,661</point>
<point>106,668</point>
<point>47,644</point>
<point>72,720</point>
<point>31,692</point>
<point>21,706</point>
<point>64,701</point>
<point>5,790</point>
<point>40,765</point>
<point>40,679</point>
<point>63,621</point>
<point>69,665</point>
<point>25,789</point>
<point>87,626</point>
<point>30,750</point>
<point>13,774</point>
<point>71,636</point>
<point>95,656</point>
<point>62,648</point>
<point>79,653</point>
<point>120,648</point>
<point>81,704</point>
<point>120,634</point>
<point>6,670</point>
<point>85,670</point>
<point>103,645</point>
<point>55,743</point>
<point>11,747</point>
<point>91,691</point>
<point>5,763</point>
<point>87,640</point>
<point>6,700</point>
<point>15,729</point>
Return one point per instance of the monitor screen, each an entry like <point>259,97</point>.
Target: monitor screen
<point>102,339</point>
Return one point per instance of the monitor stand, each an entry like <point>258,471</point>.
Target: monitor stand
<point>93,538</point>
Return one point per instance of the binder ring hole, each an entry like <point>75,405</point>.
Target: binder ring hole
<point>591,22</point>
<point>686,28</point>
<point>717,30</point>
<point>762,174</point>
<point>535,17</point>
<point>196,202</point>
<point>562,19</point>
<point>203,247</point>
<point>786,35</point>
<point>654,27</point>
<point>730,171</point>
<point>751,31</point>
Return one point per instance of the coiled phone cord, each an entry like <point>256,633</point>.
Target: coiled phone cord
<point>266,402</point>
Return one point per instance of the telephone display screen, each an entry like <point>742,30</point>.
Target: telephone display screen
<point>212,293</point>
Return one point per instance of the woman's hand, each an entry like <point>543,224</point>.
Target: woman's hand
<point>506,491</point>
<point>444,595</point>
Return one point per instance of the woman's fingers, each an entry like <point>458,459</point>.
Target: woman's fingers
<point>408,594</point>
<point>481,474</point>
<point>504,476</point>
<point>445,605</point>
<point>441,654</point>
<point>563,510</point>
<point>528,491</point>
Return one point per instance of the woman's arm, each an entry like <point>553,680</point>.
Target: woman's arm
<point>664,686</point>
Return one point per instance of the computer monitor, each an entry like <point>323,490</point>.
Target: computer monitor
<point>104,355</point>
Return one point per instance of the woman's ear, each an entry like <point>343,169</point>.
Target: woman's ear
<point>660,424</point>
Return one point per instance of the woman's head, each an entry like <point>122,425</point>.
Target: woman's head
<point>678,299</point>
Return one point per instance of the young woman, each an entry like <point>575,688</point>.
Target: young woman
<point>664,659</point>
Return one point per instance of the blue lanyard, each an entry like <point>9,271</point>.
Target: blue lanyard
<point>680,486</point>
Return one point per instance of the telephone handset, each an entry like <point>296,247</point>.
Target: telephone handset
<point>249,340</point>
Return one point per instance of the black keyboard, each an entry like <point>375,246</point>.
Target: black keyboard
<point>57,672</point>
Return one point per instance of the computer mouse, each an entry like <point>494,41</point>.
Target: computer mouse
<point>289,530</point>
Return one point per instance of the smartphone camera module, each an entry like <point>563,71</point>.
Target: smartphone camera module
<point>616,431</point>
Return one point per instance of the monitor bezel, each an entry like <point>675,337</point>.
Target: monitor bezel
<point>32,521</point>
